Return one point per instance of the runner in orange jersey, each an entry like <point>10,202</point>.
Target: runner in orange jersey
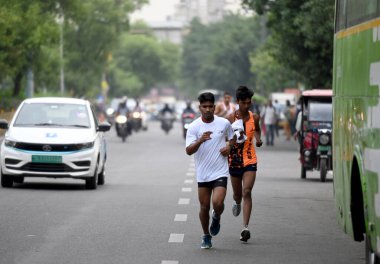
<point>242,158</point>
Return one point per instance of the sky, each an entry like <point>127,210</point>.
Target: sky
<point>156,10</point>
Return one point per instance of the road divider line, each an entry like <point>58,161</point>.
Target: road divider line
<point>176,238</point>
<point>184,201</point>
<point>180,218</point>
<point>189,181</point>
<point>169,262</point>
<point>186,189</point>
<point>190,174</point>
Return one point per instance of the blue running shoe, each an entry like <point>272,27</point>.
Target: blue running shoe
<point>206,242</point>
<point>215,224</point>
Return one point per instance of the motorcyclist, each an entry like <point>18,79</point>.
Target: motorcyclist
<point>188,109</point>
<point>122,109</point>
<point>188,115</point>
<point>167,118</point>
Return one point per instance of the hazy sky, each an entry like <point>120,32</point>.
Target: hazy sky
<point>156,10</point>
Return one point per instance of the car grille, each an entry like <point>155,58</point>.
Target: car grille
<point>47,167</point>
<point>51,147</point>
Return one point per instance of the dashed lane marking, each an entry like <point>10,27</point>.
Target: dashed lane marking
<point>189,181</point>
<point>176,238</point>
<point>184,201</point>
<point>180,218</point>
<point>186,189</point>
<point>169,262</point>
<point>190,174</point>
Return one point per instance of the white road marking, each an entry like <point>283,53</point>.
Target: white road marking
<point>176,238</point>
<point>190,174</point>
<point>189,181</point>
<point>186,189</point>
<point>184,201</point>
<point>169,262</point>
<point>191,169</point>
<point>180,218</point>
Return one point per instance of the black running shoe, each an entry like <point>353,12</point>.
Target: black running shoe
<point>245,235</point>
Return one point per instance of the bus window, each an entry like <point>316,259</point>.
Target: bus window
<point>360,11</point>
<point>340,15</point>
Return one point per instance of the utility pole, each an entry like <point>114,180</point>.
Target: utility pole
<point>61,22</point>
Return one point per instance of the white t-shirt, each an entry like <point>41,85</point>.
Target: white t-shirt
<point>269,115</point>
<point>210,164</point>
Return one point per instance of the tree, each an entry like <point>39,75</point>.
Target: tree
<point>302,36</point>
<point>217,55</point>
<point>142,62</point>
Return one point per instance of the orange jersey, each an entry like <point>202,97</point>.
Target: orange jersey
<point>244,154</point>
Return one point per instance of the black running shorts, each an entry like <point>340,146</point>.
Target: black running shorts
<point>220,182</point>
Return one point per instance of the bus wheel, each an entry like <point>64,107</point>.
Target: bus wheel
<point>303,172</point>
<point>323,169</point>
<point>370,256</point>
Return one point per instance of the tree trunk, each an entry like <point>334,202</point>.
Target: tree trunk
<point>17,84</point>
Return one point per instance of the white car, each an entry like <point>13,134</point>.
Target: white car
<point>54,138</point>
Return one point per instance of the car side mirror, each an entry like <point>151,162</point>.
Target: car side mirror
<point>4,124</point>
<point>104,127</point>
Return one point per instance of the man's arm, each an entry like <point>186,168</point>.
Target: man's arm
<point>192,148</point>
<point>257,132</point>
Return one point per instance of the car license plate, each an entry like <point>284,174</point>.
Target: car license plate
<point>46,159</point>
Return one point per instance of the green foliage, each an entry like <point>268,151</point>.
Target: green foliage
<point>270,75</point>
<point>302,36</point>
<point>142,62</point>
<point>217,56</point>
<point>29,39</point>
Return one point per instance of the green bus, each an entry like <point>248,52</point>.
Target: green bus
<point>356,119</point>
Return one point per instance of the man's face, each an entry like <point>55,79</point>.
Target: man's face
<point>244,105</point>
<point>227,98</point>
<point>207,110</point>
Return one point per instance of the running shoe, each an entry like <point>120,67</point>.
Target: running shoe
<point>215,224</point>
<point>245,235</point>
<point>236,208</point>
<point>206,242</point>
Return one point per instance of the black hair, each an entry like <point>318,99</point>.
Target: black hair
<point>206,97</point>
<point>243,93</point>
<point>226,93</point>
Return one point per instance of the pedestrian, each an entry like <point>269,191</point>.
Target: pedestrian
<point>270,119</point>
<point>206,138</point>
<point>242,158</point>
<point>226,107</point>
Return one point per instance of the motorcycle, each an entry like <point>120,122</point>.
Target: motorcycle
<point>187,118</point>
<point>316,144</point>
<point>121,126</point>
<point>167,122</point>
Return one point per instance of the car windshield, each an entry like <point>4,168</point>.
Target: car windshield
<point>319,111</point>
<point>53,114</point>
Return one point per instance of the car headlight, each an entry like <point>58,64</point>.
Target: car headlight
<point>87,145</point>
<point>324,139</point>
<point>136,115</point>
<point>121,119</point>
<point>10,143</point>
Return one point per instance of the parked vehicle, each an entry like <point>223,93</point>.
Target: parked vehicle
<point>316,150</point>
<point>54,138</point>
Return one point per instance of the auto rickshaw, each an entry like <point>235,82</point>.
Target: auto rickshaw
<point>315,132</point>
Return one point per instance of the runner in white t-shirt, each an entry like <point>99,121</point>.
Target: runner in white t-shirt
<point>206,137</point>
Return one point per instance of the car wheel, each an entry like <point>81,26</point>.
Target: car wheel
<point>303,172</point>
<point>6,180</point>
<point>92,182</point>
<point>102,175</point>
<point>323,169</point>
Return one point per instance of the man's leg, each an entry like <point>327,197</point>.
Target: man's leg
<point>249,178</point>
<point>218,196</point>
<point>204,196</point>
<point>236,183</point>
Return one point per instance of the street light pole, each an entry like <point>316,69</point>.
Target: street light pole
<point>62,74</point>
